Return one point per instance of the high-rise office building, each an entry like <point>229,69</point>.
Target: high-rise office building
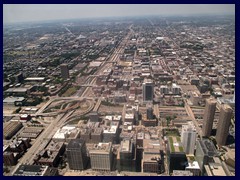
<point>149,112</point>
<point>101,157</point>
<point>177,159</point>
<point>147,90</point>
<point>205,151</point>
<point>77,154</point>
<point>64,71</point>
<point>152,157</point>
<point>126,157</point>
<point>223,124</point>
<point>188,138</point>
<point>208,117</point>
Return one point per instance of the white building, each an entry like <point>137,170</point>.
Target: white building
<point>175,89</point>
<point>188,138</point>
<point>164,89</point>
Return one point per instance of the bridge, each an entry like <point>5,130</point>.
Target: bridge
<point>88,85</point>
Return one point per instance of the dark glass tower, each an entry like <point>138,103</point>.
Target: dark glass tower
<point>77,154</point>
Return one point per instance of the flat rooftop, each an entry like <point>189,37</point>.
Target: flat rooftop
<point>175,144</point>
<point>17,90</point>
<point>31,170</point>
<point>125,146</point>
<point>99,148</point>
<point>35,79</point>
<point>208,147</point>
<point>13,99</point>
<point>215,169</point>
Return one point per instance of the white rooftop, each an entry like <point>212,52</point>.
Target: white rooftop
<point>62,132</point>
<point>193,165</point>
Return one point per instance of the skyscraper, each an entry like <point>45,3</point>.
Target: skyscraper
<point>101,157</point>
<point>147,90</point>
<point>127,157</point>
<point>149,112</point>
<point>177,159</point>
<point>223,124</point>
<point>188,138</point>
<point>64,71</point>
<point>77,154</point>
<point>208,117</point>
<point>205,151</point>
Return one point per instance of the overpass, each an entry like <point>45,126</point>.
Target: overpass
<point>98,104</point>
<point>88,85</point>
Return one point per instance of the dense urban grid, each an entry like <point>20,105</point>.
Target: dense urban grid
<point>136,96</point>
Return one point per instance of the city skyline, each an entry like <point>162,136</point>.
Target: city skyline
<point>129,96</point>
<point>14,13</point>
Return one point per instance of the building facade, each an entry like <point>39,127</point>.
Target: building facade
<point>177,159</point>
<point>223,124</point>
<point>188,138</point>
<point>101,157</point>
<point>208,117</point>
<point>148,90</point>
<point>126,161</point>
<point>205,151</point>
<point>77,154</point>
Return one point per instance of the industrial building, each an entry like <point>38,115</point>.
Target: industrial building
<point>11,128</point>
<point>13,101</point>
<point>30,132</point>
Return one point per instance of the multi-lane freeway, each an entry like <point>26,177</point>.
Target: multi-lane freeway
<point>61,118</point>
<point>42,140</point>
<point>113,57</point>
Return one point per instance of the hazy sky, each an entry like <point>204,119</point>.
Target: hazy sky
<point>35,12</point>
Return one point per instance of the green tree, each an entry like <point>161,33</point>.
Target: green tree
<point>168,119</point>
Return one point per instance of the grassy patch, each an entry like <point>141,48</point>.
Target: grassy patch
<point>180,148</point>
<point>171,144</point>
<point>171,132</point>
<point>178,138</point>
<point>192,158</point>
<point>70,92</point>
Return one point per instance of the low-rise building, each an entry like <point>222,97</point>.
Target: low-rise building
<point>11,128</point>
<point>35,170</point>
<point>50,156</point>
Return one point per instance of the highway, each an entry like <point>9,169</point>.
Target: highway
<point>43,139</point>
<point>113,57</point>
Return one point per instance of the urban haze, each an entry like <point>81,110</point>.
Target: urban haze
<point>37,12</point>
